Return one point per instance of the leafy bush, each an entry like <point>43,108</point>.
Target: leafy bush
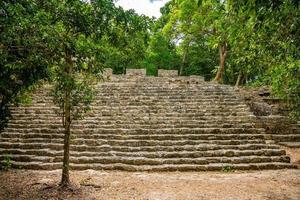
<point>6,164</point>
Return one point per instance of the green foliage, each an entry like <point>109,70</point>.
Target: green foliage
<point>82,94</point>
<point>35,36</point>
<point>151,68</point>
<point>68,43</point>
<point>227,169</point>
<point>21,51</point>
<point>261,39</point>
<point>126,44</point>
<point>286,84</point>
<point>161,54</point>
<point>6,164</point>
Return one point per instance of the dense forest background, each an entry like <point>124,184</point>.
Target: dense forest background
<point>253,43</point>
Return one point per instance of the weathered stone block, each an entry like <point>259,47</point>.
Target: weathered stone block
<point>135,72</point>
<point>167,73</point>
<point>107,72</point>
<point>196,78</point>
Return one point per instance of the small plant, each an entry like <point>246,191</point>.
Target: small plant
<point>227,168</point>
<point>25,98</point>
<point>85,181</point>
<point>6,163</point>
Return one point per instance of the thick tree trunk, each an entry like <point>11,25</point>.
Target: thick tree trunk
<point>238,81</point>
<point>223,54</point>
<point>65,180</point>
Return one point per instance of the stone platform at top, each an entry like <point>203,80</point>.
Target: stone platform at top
<point>172,75</point>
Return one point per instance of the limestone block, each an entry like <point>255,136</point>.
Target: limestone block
<point>167,73</point>
<point>107,73</point>
<point>135,72</point>
<point>195,78</point>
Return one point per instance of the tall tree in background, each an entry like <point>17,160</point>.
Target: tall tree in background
<point>258,41</point>
<point>127,42</point>
<point>161,54</point>
<point>192,20</point>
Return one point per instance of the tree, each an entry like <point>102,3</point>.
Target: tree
<point>22,51</point>
<point>127,43</point>
<point>257,41</point>
<point>193,20</point>
<point>161,54</point>
<point>77,61</point>
<point>65,41</point>
<point>60,37</point>
<point>81,30</point>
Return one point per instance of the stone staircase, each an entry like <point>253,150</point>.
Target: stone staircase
<point>139,123</point>
<point>281,130</point>
<point>272,115</point>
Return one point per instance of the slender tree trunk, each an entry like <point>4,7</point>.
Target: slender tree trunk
<point>238,81</point>
<point>185,58</point>
<point>65,180</point>
<point>223,54</point>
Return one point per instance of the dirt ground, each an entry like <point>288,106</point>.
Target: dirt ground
<point>294,154</point>
<point>106,185</point>
<point>116,185</point>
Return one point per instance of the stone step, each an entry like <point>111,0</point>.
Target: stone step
<point>286,131</point>
<point>129,100</point>
<point>157,168</point>
<point>290,144</point>
<point>156,89</point>
<point>178,109</point>
<point>93,145</point>
<point>156,101</point>
<point>221,110</point>
<point>158,96</point>
<point>140,87</point>
<point>137,126</point>
<point>136,149</point>
<point>123,87</point>
<point>145,92</point>
<point>137,121</point>
<point>181,131</point>
<point>160,137</point>
<point>296,131</point>
<point>106,119</point>
<point>153,154</point>
<point>173,149</point>
<point>106,116</point>
<point>151,161</point>
<point>286,138</point>
<point>151,108</point>
<point>159,102</point>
